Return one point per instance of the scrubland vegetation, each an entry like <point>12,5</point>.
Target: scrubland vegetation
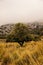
<point>21,33</point>
<point>23,45</point>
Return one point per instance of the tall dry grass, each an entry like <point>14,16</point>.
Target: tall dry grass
<point>30,54</point>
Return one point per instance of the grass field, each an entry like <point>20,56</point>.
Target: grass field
<point>13,54</point>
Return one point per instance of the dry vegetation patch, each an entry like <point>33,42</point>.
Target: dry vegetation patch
<point>13,54</point>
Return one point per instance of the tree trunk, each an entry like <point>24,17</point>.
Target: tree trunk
<point>21,43</point>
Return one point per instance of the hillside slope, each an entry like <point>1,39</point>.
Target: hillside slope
<point>5,29</point>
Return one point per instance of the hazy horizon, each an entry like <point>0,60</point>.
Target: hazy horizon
<point>12,11</point>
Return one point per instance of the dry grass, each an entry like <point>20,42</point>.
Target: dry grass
<point>30,54</point>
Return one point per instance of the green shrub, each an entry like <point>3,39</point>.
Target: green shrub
<point>21,34</point>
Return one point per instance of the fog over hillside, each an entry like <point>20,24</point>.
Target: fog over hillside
<point>12,11</point>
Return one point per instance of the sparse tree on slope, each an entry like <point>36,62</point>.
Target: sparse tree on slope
<point>19,34</point>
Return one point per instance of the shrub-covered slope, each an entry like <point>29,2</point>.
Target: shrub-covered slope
<point>33,27</point>
<point>5,30</point>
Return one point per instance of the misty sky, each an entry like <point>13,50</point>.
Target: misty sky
<point>12,11</point>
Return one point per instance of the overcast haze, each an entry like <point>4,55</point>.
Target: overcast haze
<point>12,11</point>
